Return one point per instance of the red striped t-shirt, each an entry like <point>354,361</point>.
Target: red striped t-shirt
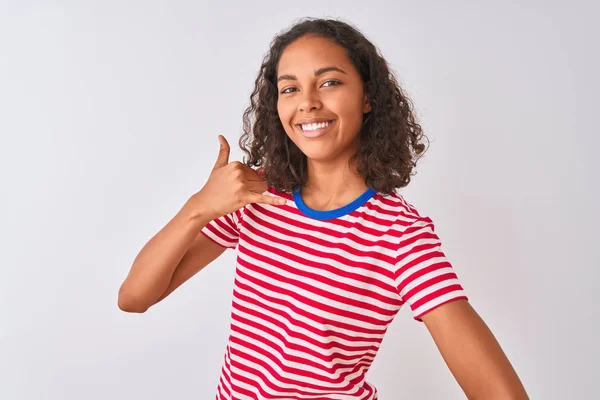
<point>315,291</point>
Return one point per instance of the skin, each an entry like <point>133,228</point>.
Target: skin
<point>465,342</point>
<point>472,353</point>
<point>332,182</point>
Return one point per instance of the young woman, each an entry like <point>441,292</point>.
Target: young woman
<point>327,250</point>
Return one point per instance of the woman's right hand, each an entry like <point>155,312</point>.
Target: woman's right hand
<point>230,186</point>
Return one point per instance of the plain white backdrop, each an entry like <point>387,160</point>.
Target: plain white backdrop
<point>109,116</point>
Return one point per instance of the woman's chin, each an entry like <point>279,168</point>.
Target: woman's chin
<point>317,154</point>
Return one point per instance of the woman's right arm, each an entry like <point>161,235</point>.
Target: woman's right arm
<point>175,254</point>
<point>179,250</point>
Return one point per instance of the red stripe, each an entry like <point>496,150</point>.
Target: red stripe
<point>318,333</point>
<point>318,319</point>
<point>418,317</point>
<point>300,249</point>
<point>329,356</point>
<point>434,295</point>
<point>302,283</point>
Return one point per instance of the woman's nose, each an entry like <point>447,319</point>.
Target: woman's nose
<point>310,100</point>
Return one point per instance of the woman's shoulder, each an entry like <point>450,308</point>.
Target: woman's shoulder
<point>274,192</point>
<point>396,204</point>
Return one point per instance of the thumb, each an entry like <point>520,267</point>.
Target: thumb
<point>223,157</point>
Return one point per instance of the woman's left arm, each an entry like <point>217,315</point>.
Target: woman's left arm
<point>472,353</point>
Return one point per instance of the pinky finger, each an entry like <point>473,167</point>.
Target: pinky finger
<point>270,200</point>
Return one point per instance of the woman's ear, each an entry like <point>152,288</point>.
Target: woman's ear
<point>366,106</point>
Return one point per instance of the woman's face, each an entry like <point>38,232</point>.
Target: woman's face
<point>317,83</point>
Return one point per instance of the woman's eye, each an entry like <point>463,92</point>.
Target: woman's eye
<point>334,83</point>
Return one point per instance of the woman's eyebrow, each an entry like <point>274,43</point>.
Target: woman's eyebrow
<point>318,72</point>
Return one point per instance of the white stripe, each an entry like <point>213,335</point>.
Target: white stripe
<point>313,310</point>
<point>321,285</point>
<point>283,385</point>
<point>435,302</point>
<point>316,259</point>
<point>291,364</point>
<point>226,243</point>
<point>284,310</point>
<point>382,232</point>
<point>358,354</point>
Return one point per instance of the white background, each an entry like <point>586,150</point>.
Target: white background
<point>109,116</point>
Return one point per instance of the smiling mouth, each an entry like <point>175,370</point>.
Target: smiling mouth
<point>316,130</point>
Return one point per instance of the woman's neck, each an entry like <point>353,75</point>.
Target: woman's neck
<point>329,187</point>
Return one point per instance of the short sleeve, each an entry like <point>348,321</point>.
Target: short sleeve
<point>225,230</point>
<point>424,277</point>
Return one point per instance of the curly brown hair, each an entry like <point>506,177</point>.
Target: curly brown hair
<point>389,142</point>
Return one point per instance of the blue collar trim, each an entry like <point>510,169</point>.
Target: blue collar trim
<point>331,214</point>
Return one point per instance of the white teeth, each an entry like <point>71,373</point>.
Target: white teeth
<point>315,126</point>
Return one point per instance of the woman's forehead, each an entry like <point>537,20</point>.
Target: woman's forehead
<point>312,53</point>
